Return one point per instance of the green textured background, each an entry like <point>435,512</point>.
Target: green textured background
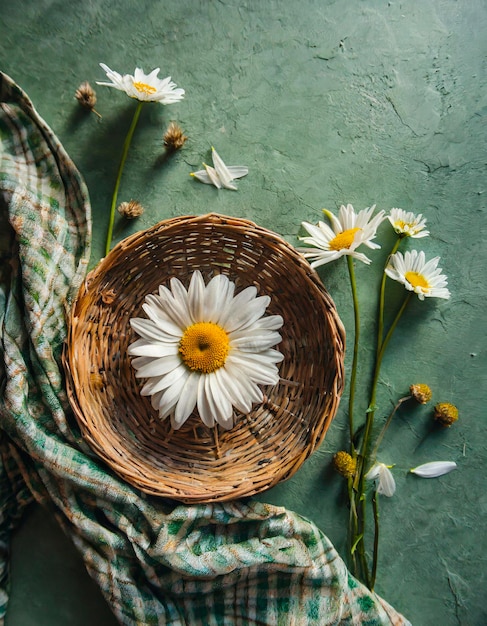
<point>327,102</point>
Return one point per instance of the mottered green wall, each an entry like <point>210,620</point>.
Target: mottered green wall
<point>327,102</point>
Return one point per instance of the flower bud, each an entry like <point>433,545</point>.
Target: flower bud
<point>421,393</point>
<point>445,414</point>
<point>174,138</point>
<point>86,96</point>
<point>130,210</point>
<point>345,464</point>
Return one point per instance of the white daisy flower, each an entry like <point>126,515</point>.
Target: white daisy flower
<point>220,175</point>
<point>386,484</point>
<point>347,232</point>
<point>205,347</point>
<point>424,278</point>
<point>407,224</point>
<point>433,469</point>
<point>144,87</point>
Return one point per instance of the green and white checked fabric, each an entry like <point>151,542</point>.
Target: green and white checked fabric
<point>156,561</point>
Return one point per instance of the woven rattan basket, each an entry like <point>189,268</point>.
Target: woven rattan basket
<point>196,463</point>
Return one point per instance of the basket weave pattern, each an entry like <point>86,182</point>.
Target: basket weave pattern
<point>196,463</point>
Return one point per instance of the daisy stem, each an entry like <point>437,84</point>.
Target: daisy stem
<point>353,376</point>
<point>386,426</point>
<point>371,409</point>
<point>126,146</point>
<point>364,454</point>
<point>375,557</point>
<point>380,322</point>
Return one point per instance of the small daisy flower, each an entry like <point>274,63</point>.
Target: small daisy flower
<point>386,484</point>
<point>347,232</point>
<point>433,469</point>
<point>424,278</point>
<point>207,348</point>
<point>144,87</point>
<point>220,175</point>
<point>407,224</point>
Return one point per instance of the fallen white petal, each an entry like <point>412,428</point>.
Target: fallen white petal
<point>434,469</point>
<point>202,176</point>
<point>213,176</point>
<point>221,169</point>
<point>238,171</point>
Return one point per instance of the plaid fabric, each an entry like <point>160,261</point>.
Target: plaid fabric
<point>156,561</point>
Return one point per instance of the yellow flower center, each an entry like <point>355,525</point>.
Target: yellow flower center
<point>204,347</point>
<point>417,280</point>
<point>144,88</point>
<point>343,239</point>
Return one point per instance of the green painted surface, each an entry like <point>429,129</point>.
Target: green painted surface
<point>326,103</point>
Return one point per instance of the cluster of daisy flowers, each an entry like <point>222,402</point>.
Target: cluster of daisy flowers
<point>343,236</point>
<point>350,230</point>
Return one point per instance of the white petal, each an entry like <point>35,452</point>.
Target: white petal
<point>147,329</point>
<point>196,292</point>
<point>234,390</point>
<point>220,404</point>
<point>213,176</point>
<point>256,367</point>
<point>244,310</point>
<point>387,484</point>
<point>171,395</point>
<point>434,469</point>
<point>144,348</point>
<point>255,341</point>
<point>373,472</point>
<point>218,296</point>
<point>156,367</point>
<point>204,405</point>
<point>238,171</point>
<point>202,176</point>
<point>169,380</point>
<point>221,169</point>
<point>187,400</point>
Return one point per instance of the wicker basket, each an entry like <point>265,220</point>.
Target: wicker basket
<point>196,463</point>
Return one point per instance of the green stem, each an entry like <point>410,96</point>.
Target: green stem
<point>380,323</point>
<point>126,146</point>
<point>353,376</point>
<point>386,426</point>
<point>364,455</point>
<point>375,557</point>
<point>371,410</point>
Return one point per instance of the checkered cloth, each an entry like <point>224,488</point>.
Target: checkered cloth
<point>156,561</point>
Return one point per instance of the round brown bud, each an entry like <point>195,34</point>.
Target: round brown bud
<point>445,414</point>
<point>421,393</point>
<point>130,210</point>
<point>174,138</point>
<point>345,464</point>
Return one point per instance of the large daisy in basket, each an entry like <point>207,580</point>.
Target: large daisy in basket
<point>205,347</point>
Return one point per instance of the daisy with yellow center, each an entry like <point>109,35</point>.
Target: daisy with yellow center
<point>347,232</point>
<point>207,348</point>
<point>144,87</point>
<point>407,224</point>
<point>423,278</point>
